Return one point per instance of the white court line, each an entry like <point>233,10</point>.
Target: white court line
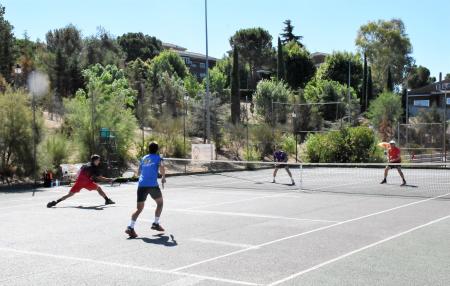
<point>357,251</point>
<point>250,215</point>
<point>306,233</point>
<point>127,266</point>
<point>219,242</point>
<point>237,201</point>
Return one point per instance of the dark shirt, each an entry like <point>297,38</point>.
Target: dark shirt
<point>88,172</point>
<point>280,156</point>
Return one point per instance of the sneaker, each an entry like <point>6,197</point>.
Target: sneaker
<point>157,227</point>
<point>130,231</point>
<point>293,183</point>
<point>108,201</point>
<point>384,181</point>
<point>273,181</point>
<point>403,184</point>
<point>51,204</point>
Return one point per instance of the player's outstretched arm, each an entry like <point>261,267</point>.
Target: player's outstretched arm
<point>162,171</point>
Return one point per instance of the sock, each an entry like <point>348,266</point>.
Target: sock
<point>156,220</point>
<point>131,225</point>
<point>106,198</point>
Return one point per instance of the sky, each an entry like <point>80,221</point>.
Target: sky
<point>326,25</point>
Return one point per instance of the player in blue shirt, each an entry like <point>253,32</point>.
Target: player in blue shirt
<point>281,157</point>
<point>150,167</point>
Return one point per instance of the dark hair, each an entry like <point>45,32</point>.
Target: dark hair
<point>95,157</point>
<point>153,147</point>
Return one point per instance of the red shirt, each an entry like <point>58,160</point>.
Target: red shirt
<point>394,155</point>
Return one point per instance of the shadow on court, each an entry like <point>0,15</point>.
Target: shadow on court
<point>160,239</point>
<point>95,208</point>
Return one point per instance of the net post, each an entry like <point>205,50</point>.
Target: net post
<point>301,177</point>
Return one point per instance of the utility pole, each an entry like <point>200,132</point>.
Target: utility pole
<point>208,116</point>
<point>348,92</point>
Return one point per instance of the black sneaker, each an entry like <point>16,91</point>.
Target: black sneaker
<point>131,233</point>
<point>403,184</point>
<point>157,226</point>
<point>51,204</point>
<point>384,181</point>
<point>108,201</point>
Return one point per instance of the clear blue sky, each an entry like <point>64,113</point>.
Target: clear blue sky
<point>326,25</point>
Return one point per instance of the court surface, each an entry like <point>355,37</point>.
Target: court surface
<point>236,228</point>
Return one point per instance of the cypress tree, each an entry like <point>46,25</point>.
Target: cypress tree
<point>364,86</point>
<point>280,61</point>
<point>235,89</point>
<point>369,86</point>
<point>390,82</point>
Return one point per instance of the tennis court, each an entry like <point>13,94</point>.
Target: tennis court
<point>341,228</point>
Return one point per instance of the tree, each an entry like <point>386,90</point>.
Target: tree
<point>386,44</point>
<point>267,93</point>
<point>389,81</point>
<point>288,35</point>
<point>384,112</point>
<point>109,99</point>
<point>336,68</point>
<point>138,45</point>
<point>364,99</point>
<point>138,74</point>
<point>224,65</point>
<point>255,47</point>
<point>167,61</point>
<point>65,46</point>
<point>235,89</point>
<point>299,66</point>
<point>102,49</point>
<point>170,91</point>
<point>419,76</point>
<point>447,76</point>
<point>323,91</point>
<point>16,131</point>
<point>280,61</point>
<point>370,93</point>
<point>6,46</point>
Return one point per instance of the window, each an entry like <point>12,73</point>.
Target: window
<point>202,75</point>
<point>194,65</point>
<point>448,100</point>
<point>187,60</point>
<point>202,65</point>
<point>422,103</point>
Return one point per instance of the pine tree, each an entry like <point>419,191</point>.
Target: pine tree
<point>6,46</point>
<point>390,82</point>
<point>364,102</point>
<point>280,62</point>
<point>288,34</point>
<point>235,89</point>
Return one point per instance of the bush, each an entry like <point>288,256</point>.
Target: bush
<point>348,145</point>
<point>288,143</point>
<point>251,154</point>
<point>269,91</point>
<point>53,151</point>
<point>265,138</point>
<point>384,112</point>
<point>16,133</point>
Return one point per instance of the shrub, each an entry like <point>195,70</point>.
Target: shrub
<point>265,137</point>
<point>288,143</point>
<point>384,112</point>
<point>53,151</point>
<point>348,145</point>
<point>269,91</point>
<point>251,154</point>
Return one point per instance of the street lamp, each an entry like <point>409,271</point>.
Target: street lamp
<point>38,84</point>
<point>17,73</point>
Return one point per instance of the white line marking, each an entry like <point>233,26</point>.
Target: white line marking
<point>357,251</point>
<point>249,215</point>
<point>219,242</point>
<point>237,201</point>
<point>305,233</point>
<point>127,266</point>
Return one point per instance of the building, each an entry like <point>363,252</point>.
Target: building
<point>318,58</point>
<point>196,62</point>
<point>423,98</point>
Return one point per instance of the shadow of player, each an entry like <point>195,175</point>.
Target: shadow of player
<point>94,208</point>
<point>161,239</point>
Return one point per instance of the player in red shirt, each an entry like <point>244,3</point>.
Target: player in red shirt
<point>86,180</point>
<point>394,157</point>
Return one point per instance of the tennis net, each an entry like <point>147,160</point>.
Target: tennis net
<point>422,179</point>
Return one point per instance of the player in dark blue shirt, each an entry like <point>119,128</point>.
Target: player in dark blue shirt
<point>280,156</point>
<point>149,169</point>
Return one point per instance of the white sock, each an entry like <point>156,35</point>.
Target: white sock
<point>156,219</point>
<point>131,225</point>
